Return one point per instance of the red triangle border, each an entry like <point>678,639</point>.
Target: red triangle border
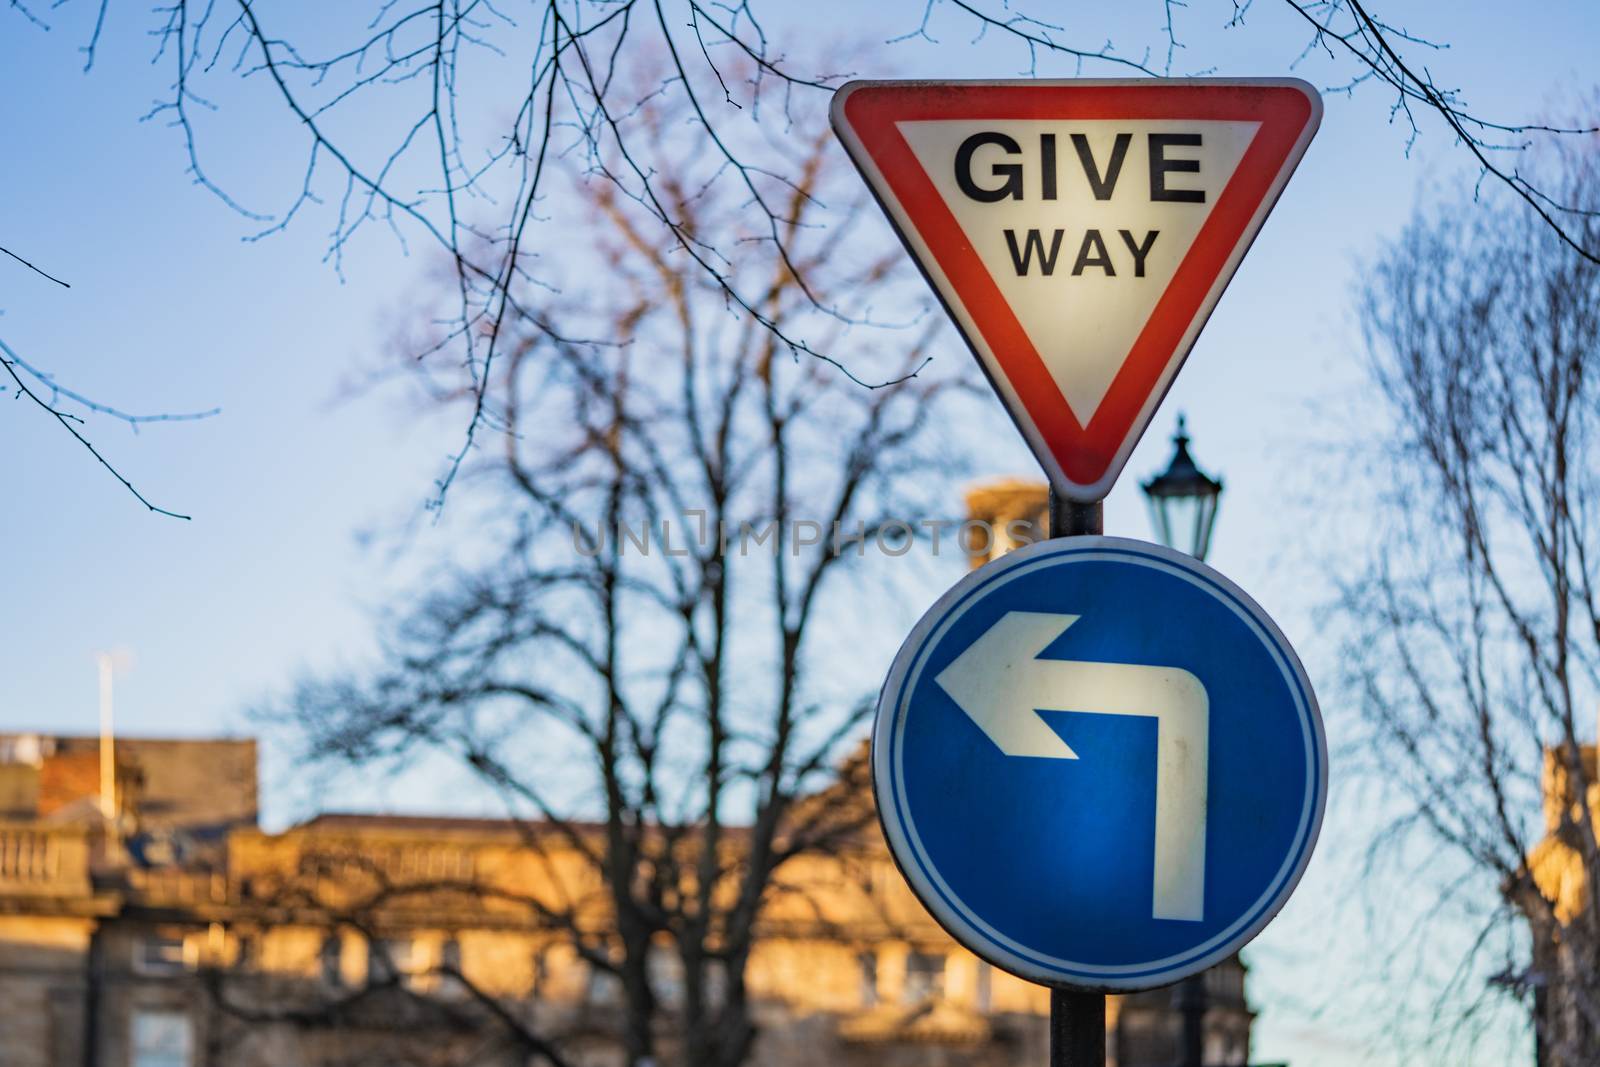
<point>1086,458</point>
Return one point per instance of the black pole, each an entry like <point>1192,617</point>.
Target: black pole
<point>1192,1006</point>
<point>94,979</point>
<point>1077,1029</point>
<point>1077,1020</point>
<point>1068,518</point>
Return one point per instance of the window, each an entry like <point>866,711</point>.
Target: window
<point>924,977</point>
<point>331,959</point>
<point>714,979</point>
<point>1224,1048</point>
<point>389,960</point>
<point>868,962</point>
<point>664,970</point>
<point>450,956</point>
<point>162,1039</point>
<point>1224,982</point>
<point>604,990</point>
<point>161,954</point>
<point>451,984</point>
<point>247,952</point>
<point>541,971</point>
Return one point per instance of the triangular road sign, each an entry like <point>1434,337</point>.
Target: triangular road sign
<point>1078,232</point>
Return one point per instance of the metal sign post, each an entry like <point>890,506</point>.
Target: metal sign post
<point>1097,762</point>
<point>1100,767</point>
<point>1077,1029</point>
<point>1077,1020</point>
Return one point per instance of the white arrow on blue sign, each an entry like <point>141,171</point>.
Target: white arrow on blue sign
<point>1099,764</point>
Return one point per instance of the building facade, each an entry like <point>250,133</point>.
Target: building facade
<point>1555,900</point>
<point>177,933</point>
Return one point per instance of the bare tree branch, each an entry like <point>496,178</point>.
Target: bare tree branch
<point>12,362</point>
<point>639,684</point>
<point>1474,639</point>
<point>479,193</point>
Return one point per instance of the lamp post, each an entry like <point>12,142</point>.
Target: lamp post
<point>1183,500</point>
<point>1183,507</point>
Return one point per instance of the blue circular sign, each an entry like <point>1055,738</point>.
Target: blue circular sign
<point>1099,764</point>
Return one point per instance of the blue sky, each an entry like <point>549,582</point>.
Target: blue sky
<point>172,309</point>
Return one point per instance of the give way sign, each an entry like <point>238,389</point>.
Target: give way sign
<point>1078,232</point>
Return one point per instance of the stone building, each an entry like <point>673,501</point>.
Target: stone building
<point>1560,914</point>
<point>177,933</point>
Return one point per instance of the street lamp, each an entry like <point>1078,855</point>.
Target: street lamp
<point>1183,507</point>
<point>1183,500</point>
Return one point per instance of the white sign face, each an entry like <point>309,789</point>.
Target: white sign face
<point>1089,231</point>
<point>1079,233</point>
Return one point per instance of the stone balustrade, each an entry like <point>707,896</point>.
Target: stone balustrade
<point>40,860</point>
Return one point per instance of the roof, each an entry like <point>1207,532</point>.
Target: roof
<point>199,786</point>
<point>355,820</point>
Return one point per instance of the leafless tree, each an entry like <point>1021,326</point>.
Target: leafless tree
<point>1476,650</point>
<point>441,120</point>
<point>658,641</point>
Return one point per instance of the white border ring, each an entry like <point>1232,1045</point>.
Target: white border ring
<point>936,895</point>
